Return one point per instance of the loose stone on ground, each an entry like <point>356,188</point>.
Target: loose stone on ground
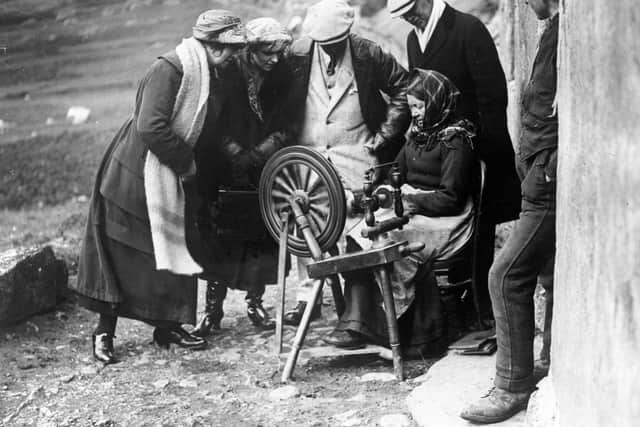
<point>395,420</point>
<point>284,393</point>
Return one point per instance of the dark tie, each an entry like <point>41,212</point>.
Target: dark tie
<point>331,68</point>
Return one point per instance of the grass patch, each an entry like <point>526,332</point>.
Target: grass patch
<point>48,170</point>
<point>35,226</point>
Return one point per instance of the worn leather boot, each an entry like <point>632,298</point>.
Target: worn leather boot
<point>496,406</point>
<point>258,314</point>
<point>213,313</point>
<point>103,348</point>
<point>163,337</point>
<point>294,316</point>
<point>347,339</point>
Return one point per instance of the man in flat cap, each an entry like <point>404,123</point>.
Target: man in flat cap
<point>335,103</point>
<point>459,46</point>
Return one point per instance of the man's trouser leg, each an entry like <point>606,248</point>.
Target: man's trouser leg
<point>512,283</point>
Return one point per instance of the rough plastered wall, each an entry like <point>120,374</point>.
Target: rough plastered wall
<point>596,329</point>
<point>517,43</point>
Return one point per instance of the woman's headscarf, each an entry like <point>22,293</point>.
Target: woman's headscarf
<point>263,32</point>
<point>268,32</point>
<point>441,97</point>
<point>219,26</point>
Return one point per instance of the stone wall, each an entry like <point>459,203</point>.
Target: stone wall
<point>596,343</point>
<point>516,45</point>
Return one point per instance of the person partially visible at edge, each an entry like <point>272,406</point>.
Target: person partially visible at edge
<point>335,103</point>
<point>530,248</point>
<point>252,127</point>
<point>459,46</point>
<point>135,261</point>
<point>436,165</point>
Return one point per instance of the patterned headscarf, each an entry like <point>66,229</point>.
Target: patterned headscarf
<point>219,26</point>
<point>440,96</point>
<point>269,32</point>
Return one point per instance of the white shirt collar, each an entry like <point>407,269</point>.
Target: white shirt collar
<point>436,14</point>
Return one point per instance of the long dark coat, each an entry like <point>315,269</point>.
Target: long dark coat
<point>117,273</point>
<point>462,49</point>
<point>240,252</point>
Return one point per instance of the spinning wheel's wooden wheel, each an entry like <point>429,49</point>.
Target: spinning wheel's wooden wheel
<point>302,175</point>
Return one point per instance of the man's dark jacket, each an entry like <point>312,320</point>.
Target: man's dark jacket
<point>462,49</point>
<point>374,71</point>
<point>539,120</point>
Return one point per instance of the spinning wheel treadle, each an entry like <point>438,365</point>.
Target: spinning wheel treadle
<point>302,174</point>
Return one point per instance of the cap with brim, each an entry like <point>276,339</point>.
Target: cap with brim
<point>329,21</point>
<point>219,26</point>
<point>335,39</point>
<point>397,8</point>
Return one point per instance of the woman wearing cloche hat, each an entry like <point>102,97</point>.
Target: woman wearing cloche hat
<point>253,131</point>
<point>135,261</point>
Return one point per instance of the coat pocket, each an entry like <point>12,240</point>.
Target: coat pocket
<point>539,183</point>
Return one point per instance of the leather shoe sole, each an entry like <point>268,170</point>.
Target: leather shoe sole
<point>345,339</point>
<point>488,419</point>
<point>293,317</point>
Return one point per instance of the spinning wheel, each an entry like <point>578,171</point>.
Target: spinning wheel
<point>303,175</point>
<point>303,206</point>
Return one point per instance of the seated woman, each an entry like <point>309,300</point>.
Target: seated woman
<point>436,165</point>
<point>135,260</point>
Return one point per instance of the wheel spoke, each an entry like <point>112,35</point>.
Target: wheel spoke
<point>280,195</point>
<point>314,224</point>
<point>289,177</point>
<point>323,210</point>
<point>319,197</point>
<point>316,183</point>
<point>281,182</point>
<point>319,222</point>
<point>304,172</point>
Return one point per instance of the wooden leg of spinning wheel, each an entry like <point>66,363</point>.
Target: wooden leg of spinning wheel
<point>282,267</point>
<point>392,322</point>
<point>301,333</point>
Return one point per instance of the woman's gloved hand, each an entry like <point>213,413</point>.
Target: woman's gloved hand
<point>240,162</point>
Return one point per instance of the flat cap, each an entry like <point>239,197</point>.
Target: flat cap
<point>329,21</point>
<point>397,8</point>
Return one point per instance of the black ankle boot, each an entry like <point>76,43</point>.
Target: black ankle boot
<point>258,314</point>
<point>164,337</point>
<point>294,316</point>
<point>103,348</point>
<point>213,313</point>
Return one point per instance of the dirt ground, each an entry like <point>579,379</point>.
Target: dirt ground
<point>48,378</point>
<point>91,53</point>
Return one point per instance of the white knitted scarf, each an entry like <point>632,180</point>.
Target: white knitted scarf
<point>163,188</point>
